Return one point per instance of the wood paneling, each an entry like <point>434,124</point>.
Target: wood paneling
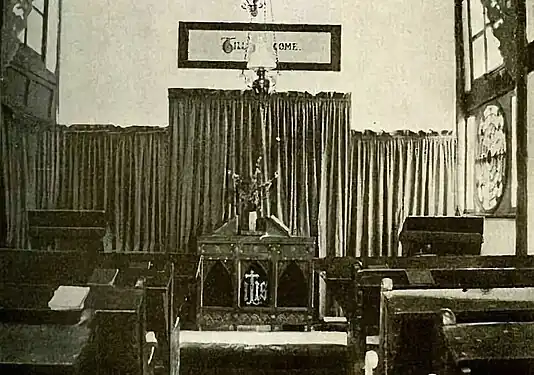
<point>29,86</point>
<point>16,84</point>
<point>39,99</point>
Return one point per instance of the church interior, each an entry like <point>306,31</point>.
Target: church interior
<point>251,187</point>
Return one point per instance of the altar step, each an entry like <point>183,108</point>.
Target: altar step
<point>263,353</point>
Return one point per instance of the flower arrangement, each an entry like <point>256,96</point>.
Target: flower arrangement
<point>249,193</point>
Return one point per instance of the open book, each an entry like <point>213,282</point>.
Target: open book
<point>69,298</point>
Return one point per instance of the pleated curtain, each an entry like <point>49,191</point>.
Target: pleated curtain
<point>393,176</point>
<point>301,137</point>
<point>122,171</point>
<point>164,187</point>
<point>19,137</point>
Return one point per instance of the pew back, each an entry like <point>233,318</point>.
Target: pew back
<point>486,348</point>
<point>35,267</point>
<point>68,229</point>
<point>368,283</point>
<point>411,321</point>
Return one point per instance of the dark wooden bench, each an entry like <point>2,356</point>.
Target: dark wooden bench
<point>52,349</point>
<point>81,230</point>
<point>486,348</point>
<point>410,321</point>
<point>356,283</point>
<point>169,280</point>
<point>368,284</point>
<point>453,235</point>
<point>36,267</point>
<point>184,268</point>
<point>115,317</point>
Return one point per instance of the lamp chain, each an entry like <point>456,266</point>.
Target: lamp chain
<point>251,18</point>
<point>275,48</point>
<point>274,33</point>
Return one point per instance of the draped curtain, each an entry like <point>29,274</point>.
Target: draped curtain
<point>303,138</point>
<point>306,141</point>
<point>207,133</point>
<point>101,167</point>
<point>162,188</point>
<point>394,176</point>
<point>18,139</point>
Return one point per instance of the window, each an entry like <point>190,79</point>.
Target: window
<point>42,31</point>
<point>486,127</point>
<point>34,35</point>
<point>484,55</point>
<point>52,37</point>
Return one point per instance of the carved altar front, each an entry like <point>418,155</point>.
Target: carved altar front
<point>255,279</point>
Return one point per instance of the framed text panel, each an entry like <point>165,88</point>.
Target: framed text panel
<point>222,45</point>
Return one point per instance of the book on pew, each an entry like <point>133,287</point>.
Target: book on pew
<point>69,298</point>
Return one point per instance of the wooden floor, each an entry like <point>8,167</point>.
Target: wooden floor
<point>258,353</point>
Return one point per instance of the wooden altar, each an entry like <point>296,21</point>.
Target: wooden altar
<point>255,279</point>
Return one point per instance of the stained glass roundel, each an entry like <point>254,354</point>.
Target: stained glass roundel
<point>491,157</point>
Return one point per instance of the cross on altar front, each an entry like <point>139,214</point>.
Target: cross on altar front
<point>255,289</point>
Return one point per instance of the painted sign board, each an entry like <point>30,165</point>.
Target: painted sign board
<point>221,45</point>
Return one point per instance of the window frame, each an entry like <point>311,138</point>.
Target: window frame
<point>44,31</point>
<point>473,94</point>
<point>482,33</point>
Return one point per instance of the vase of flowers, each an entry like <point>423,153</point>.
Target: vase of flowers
<point>248,195</point>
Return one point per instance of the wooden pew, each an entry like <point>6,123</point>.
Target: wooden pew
<point>167,290</point>
<point>120,318</point>
<point>410,322</point>
<point>342,271</point>
<point>36,350</point>
<point>184,272</point>
<point>453,235</point>
<point>356,283</point>
<point>368,283</point>
<point>70,267</point>
<point>116,317</point>
<point>484,348</point>
<point>81,230</point>
<point>157,276</point>
<point>169,280</point>
<point>339,274</point>
<point>184,268</point>
<point>36,267</point>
